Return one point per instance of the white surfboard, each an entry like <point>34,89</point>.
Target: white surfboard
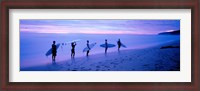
<point>49,52</point>
<point>90,45</point>
<point>123,45</point>
<point>69,42</point>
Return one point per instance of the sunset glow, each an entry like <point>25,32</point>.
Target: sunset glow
<point>99,26</point>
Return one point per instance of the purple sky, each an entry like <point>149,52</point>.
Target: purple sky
<point>99,26</point>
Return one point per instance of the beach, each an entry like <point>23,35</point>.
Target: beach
<point>152,58</point>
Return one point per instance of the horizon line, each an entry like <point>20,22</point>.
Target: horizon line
<point>91,33</point>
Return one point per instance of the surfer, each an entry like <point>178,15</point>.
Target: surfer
<point>119,44</point>
<point>106,46</point>
<point>88,48</point>
<point>54,51</point>
<point>73,44</point>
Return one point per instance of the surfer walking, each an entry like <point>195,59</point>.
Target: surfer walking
<point>119,44</point>
<point>106,46</point>
<point>54,51</point>
<point>73,44</point>
<point>88,48</point>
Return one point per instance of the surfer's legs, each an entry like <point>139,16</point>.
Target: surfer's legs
<point>87,53</point>
<point>73,54</point>
<point>53,57</point>
<point>106,50</point>
<point>119,47</point>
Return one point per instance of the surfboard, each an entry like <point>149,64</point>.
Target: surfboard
<point>123,45</point>
<point>90,45</point>
<point>69,42</point>
<point>109,45</point>
<point>49,52</point>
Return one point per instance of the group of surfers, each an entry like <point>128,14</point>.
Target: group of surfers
<point>73,44</point>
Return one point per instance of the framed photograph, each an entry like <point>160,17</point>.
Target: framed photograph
<point>100,45</point>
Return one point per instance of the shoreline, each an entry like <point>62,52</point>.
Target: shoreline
<point>146,59</point>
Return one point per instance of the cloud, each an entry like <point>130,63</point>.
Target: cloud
<point>99,26</point>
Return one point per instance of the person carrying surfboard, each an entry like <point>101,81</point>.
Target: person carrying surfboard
<point>119,44</point>
<point>54,51</point>
<point>88,48</point>
<point>73,44</point>
<point>106,46</point>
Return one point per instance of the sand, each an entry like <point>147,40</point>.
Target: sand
<point>146,59</point>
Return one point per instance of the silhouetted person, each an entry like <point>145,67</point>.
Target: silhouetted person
<point>88,48</point>
<point>54,51</point>
<point>106,46</point>
<point>119,44</point>
<point>73,44</point>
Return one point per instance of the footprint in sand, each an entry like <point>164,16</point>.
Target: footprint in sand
<point>115,63</point>
<point>100,62</point>
<point>85,69</point>
<point>74,69</point>
<point>89,69</point>
<point>146,65</point>
<point>92,64</point>
<point>107,66</point>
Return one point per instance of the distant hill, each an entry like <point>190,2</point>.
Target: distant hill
<point>176,32</point>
